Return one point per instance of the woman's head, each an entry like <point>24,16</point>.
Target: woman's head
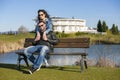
<point>42,14</point>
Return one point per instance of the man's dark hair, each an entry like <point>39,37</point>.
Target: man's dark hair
<point>42,21</point>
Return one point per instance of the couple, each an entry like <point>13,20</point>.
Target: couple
<point>43,43</point>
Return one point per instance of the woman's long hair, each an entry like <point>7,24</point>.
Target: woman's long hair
<point>45,12</point>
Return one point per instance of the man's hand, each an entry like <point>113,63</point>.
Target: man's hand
<point>45,36</point>
<point>34,43</point>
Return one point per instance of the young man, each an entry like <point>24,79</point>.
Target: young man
<point>43,44</point>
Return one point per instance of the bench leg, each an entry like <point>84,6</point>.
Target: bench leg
<point>18,61</point>
<point>85,62</point>
<point>25,59</point>
<point>82,64</point>
<point>20,57</point>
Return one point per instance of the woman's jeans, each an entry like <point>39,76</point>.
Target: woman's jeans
<point>37,61</point>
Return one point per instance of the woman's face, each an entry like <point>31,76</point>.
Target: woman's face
<point>41,15</point>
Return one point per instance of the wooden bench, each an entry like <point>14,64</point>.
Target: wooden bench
<point>63,43</point>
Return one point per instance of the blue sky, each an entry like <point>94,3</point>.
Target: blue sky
<point>14,13</point>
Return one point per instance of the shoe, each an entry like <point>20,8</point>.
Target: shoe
<point>47,65</point>
<point>39,68</point>
<point>32,70</point>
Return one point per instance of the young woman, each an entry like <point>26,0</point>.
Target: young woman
<point>43,16</point>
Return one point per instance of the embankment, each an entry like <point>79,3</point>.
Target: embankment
<point>8,46</point>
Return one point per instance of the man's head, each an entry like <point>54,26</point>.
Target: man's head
<point>42,26</point>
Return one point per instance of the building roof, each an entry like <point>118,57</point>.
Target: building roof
<point>64,19</point>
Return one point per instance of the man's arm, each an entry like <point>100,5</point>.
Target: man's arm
<point>53,39</point>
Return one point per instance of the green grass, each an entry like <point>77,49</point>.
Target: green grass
<point>107,38</point>
<point>10,72</point>
<point>110,38</point>
<point>15,38</point>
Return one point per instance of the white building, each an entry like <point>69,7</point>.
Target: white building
<point>70,25</point>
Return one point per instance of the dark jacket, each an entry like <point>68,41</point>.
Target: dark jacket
<point>52,40</point>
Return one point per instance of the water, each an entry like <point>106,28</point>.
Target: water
<point>10,58</point>
<point>111,52</point>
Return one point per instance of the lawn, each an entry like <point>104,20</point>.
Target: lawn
<point>93,37</point>
<point>10,72</point>
<point>15,38</point>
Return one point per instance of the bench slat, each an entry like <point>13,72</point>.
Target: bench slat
<point>83,54</point>
<point>65,42</point>
<point>72,45</point>
<point>75,40</point>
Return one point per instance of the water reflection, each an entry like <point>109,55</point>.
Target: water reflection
<point>111,52</point>
<point>8,58</point>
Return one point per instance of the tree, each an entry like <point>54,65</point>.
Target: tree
<point>104,26</point>
<point>22,29</point>
<point>99,26</point>
<point>114,29</point>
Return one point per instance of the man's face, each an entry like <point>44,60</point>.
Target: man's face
<point>42,26</point>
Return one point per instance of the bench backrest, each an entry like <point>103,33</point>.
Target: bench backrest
<point>65,42</point>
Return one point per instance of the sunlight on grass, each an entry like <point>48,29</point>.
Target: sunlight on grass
<point>93,37</point>
<point>15,38</point>
<point>10,72</point>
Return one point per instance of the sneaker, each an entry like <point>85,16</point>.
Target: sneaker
<point>47,65</point>
<point>32,70</point>
<point>39,68</point>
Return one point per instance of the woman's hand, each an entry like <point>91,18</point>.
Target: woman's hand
<point>45,36</point>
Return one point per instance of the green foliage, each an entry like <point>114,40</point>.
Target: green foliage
<point>9,72</point>
<point>102,27</point>
<point>81,33</point>
<point>78,33</point>
<point>114,29</point>
<point>65,35</point>
<point>99,26</point>
<point>109,37</point>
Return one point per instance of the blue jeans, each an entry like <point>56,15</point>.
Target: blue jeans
<point>37,61</point>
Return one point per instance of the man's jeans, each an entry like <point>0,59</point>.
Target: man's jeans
<point>37,61</point>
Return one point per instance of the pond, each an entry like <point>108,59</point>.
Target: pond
<point>95,52</point>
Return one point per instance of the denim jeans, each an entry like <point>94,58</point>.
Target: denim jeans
<point>37,61</point>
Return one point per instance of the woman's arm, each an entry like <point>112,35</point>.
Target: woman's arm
<point>48,26</point>
<point>37,36</point>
